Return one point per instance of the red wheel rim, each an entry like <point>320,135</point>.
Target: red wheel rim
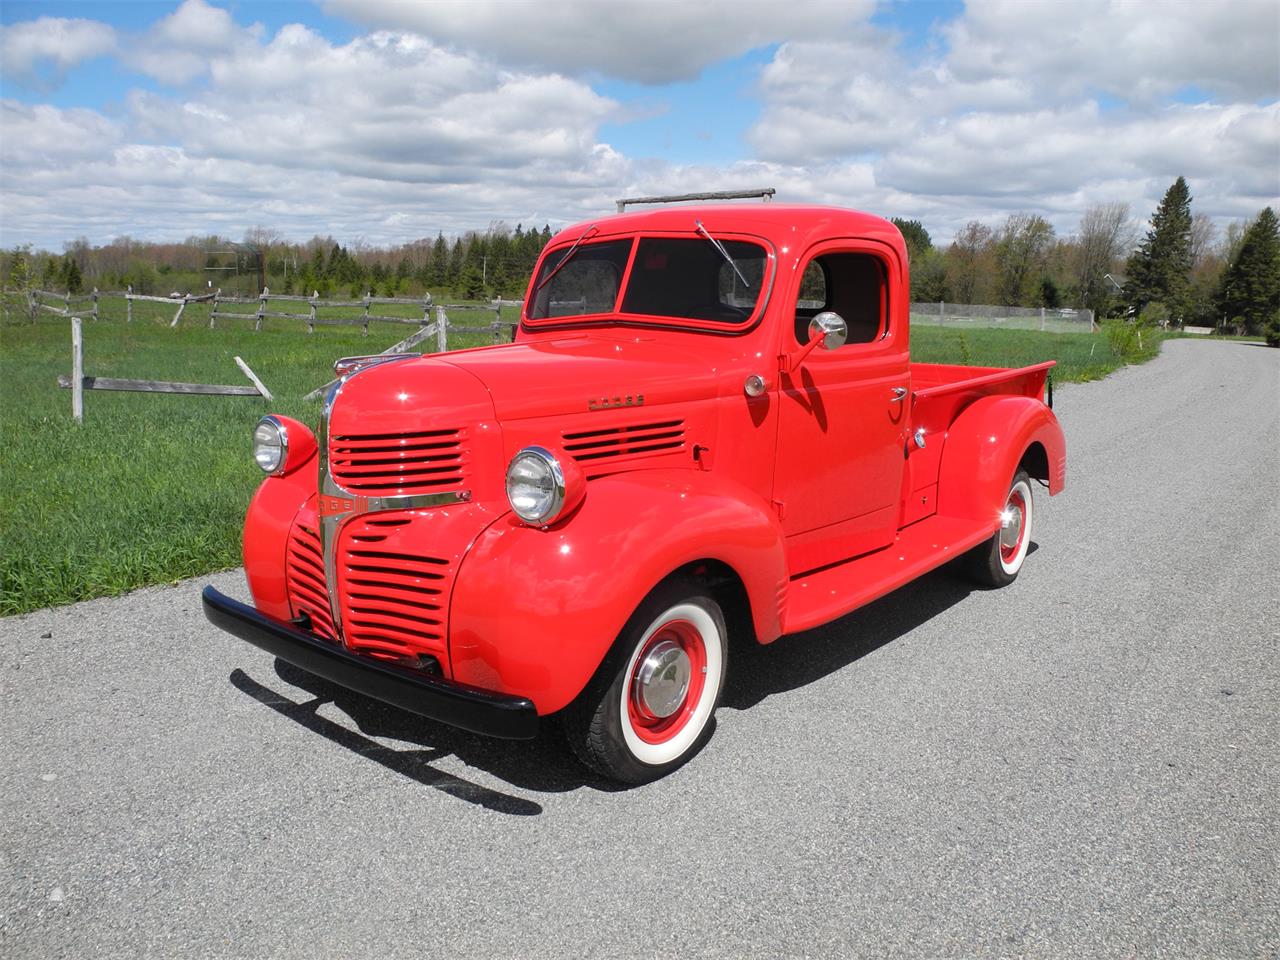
<point>1017,505</point>
<point>653,729</point>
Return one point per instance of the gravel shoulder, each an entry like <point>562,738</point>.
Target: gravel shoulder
<point>1085,764</point>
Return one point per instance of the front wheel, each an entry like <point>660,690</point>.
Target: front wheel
<point>650,708</point>
<point>996,563</point>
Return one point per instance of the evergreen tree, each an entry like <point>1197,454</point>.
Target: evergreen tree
<point>70,275</point>
<point>438,264</point>
<point>916,236</point>
<point>456,257</point>
<point>1160,269</point>
<point>1250,291</point>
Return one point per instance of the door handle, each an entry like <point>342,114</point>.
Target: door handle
<point>899,394</point>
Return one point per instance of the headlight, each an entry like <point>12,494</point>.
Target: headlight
<point>270,445</point>
<point>535,485</point>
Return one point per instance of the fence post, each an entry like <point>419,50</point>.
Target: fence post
<point>1042,319</point>
<point>367,298</point>
<point>442,323</point>
<point>128,305</point>
<point>311,324</point>
<point>213,307</point>
<point>77,371</point>
<point>262,308</point>
<point>31,304</point>
<point>95,304</point>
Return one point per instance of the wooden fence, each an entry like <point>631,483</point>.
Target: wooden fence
<point>78,383</point>
<point>320,311</point>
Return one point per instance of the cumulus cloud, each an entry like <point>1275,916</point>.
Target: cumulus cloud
<point>655,42</point>
<point>449,115</point>
<point>183,45</point>
<point>38,53</point>
<point>1133,49</point>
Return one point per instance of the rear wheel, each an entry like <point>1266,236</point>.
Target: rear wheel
<point>650,708</point>
<point>996,563</point>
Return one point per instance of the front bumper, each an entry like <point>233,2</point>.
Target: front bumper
<point>457,704</point>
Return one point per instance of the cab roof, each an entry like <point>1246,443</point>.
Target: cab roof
<point>785,224</point>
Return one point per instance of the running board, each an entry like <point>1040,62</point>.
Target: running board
<point>819,597</point>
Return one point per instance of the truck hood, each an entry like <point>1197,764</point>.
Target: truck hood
<point>578,373</point>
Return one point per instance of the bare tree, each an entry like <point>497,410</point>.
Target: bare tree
<point>1203,235</point>
<point>969,262</point>
<point>1106,230</point>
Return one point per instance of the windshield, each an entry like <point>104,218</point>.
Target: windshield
<point>672,277</point>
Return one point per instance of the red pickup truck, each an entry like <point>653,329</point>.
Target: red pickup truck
<point>707,426</point>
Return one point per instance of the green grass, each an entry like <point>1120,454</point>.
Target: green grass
<point>1081,356</point>
<point>153,488</point>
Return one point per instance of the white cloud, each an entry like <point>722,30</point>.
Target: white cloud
<point>38,53</point>
<point>659,41</point>
<point>395,135</point>
<point>1133,49</point>
<point>183,45</point>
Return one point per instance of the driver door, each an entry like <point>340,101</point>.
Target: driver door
<point>843,413</point>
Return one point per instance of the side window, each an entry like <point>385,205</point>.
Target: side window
<point>852,285</point>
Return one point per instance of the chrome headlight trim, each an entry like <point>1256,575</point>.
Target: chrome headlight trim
<point>276,467</point>
<point>555,472</point>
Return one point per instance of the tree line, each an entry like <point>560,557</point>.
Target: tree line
<point>476,265</point>
<point>1183,271</point>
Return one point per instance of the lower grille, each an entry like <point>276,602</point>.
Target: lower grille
<point>305,574</point>
<point>394,604</point>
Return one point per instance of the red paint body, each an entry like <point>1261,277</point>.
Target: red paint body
<point>805,502</point>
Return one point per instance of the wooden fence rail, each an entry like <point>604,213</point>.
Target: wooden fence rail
<point>440,330</point>
<point>78,383</point>
<point>36,298</point>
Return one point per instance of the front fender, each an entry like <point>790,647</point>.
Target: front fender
<point>534,611</point>
<point>984,446</point>
<point>266,535</point>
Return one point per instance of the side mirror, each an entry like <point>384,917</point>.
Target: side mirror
<point>831,327</point>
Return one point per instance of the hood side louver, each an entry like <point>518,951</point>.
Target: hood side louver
<point>629,441</point>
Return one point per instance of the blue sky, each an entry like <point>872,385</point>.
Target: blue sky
<point>384,121</point>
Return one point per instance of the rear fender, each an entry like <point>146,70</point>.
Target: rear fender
<point>535,611</point>
<point>984,446</point>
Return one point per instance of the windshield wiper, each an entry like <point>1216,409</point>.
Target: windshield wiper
<point>723,252</point>
<point>567,257</point>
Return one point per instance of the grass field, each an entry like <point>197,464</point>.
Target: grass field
<point>153,488</point>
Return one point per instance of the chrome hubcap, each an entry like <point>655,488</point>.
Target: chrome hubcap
<point>662,679</point>
<point>1010,527</point>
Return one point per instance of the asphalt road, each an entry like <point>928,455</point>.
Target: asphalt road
<point>1082,765</point>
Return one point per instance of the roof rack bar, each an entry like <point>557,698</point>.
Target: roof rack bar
<point>766,195</point>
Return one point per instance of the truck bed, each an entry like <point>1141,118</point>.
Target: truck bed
<point>941,390</point>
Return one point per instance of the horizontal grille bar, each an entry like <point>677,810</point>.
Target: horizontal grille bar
<point>423,461</point>
<point>395,604</point>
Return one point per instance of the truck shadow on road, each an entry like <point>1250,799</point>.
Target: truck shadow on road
<point>545,764</point>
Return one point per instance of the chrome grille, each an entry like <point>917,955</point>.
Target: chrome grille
<point>304,564</point>
<point>386,464</point>
<point>637,439</point>
<point>394,604</point>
